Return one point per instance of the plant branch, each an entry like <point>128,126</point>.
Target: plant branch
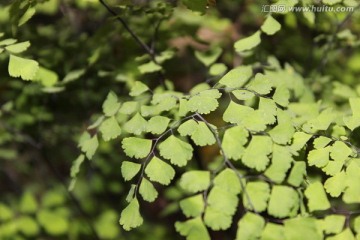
<point>126,26</point>
<point>152,151</point>
<point>332,40</point>
<point>227,161</point>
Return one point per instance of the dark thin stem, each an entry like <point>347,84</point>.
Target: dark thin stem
<point>148,50</point>
<point>155,36</point>
<point>126,26</point>
<point>330,44</point>
<point>227,161</point>
<point>152,151</point>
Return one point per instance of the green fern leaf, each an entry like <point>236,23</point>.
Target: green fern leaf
<point>283,201</point>
<point>147,190</point>
<point>111,105</point>
<point>228,180</point>
<point>297,173</point>
<point>256,196</point>
<point>204,102</point>
<point>248,43</point>
<point>129,170</point>
<point>233,141</point>
<point>336,185</point>
<point>280,163</point>
<point>159,171</point>
<point>136,125</point>
<point>255,155</point>
<point>176,150</point>
<point>250,227</point>
<point>216,219</point>
<point>136,147</point>
<point>237,77</point>
<point>110,129</point>
<point>195,181</point>
<point>193,229</point>
<point>260,84</point>
<point>90,146</point>
<point>22,67</point>
<point>130,216</point>
<point>317,199</point>
<point>157,124</point>
<point>193,206</point>
<point>138,88</point>
<point>270,26</point>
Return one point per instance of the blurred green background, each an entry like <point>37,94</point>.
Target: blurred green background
<point>90,53</point>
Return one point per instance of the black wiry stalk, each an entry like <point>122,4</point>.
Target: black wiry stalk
<point>227,161</point>
<point>148,50</point>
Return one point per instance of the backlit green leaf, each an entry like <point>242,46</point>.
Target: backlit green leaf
<point>22,67</point>
<point>317,199</point>
<point>193,229</point>
<point>195,181</point>
<point>157,124</point>
<point>228,180</point>
<point>352,192</point>
<point>250,227</point>
<point>149,67</point>
<point>260,84</point>
<point>147,190</point>
<point>319,157</point>
<point>202,135</point>
<point>308,229</point>
<point>297,173</point>
<point>90,146</point>
<point>136,125</point>
<point>256,196</point>
<point>28,226</point>
<point>248,43</point>
<point>299,140</point>
<point>321,142</point>
<point>110,129</point>
<point>270,26</point>
<point>233,141</point>
<point>344,235</point>
<point>272,232</point>
<point>336,185</point>
<point>53,223</point>
<point>28,203</point>
<point>159,171</point>
<point>283,201</point>
<point>236,77</point>
<point>193,206</point>
<point>176,150</point>
<point>136,147</point>
<point>128,107</point>
<point>130,216</point>
<point>216,219</point>
<point>280,163</point>
<point>321,122</point>
<point>282,95</point>
<point>353,121</point>
<point>255,155</point>
<point>204,102</point>
<point>340,151</point>
<point>333,223</point>
<point>235,113</point>
<point>138,88</point>
<point>129,170</point>
<point>18,47</point>
<point>111,104</point>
